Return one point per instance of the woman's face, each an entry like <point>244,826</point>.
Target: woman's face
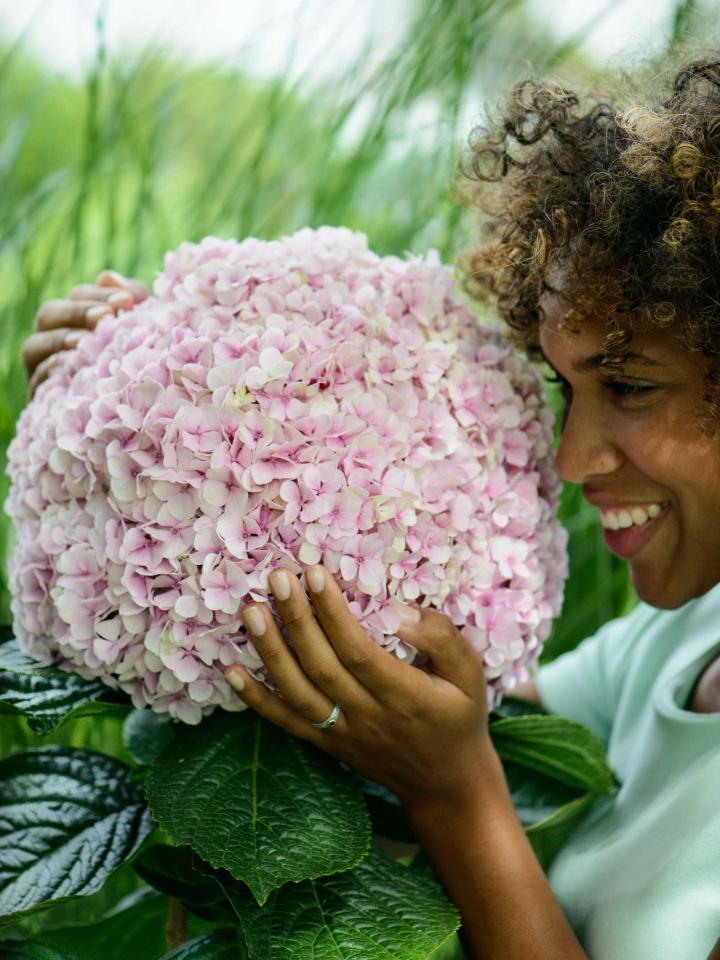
<point>630,439</point>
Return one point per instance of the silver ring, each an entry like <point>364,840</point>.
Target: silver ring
<point>330,721</point>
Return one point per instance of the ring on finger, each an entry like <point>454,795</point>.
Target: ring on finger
<point>328,722</point>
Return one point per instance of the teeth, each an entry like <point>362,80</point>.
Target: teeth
<point>619,519</point>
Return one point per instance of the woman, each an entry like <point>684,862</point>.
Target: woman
<point>602,252</point>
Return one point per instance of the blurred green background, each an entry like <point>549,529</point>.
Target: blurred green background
<point>115,164</point>
<point>111,165</point>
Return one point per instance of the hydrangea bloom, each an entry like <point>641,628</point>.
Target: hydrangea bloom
<point>281,404</point>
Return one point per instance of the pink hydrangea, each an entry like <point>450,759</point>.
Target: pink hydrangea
<point>281,404</point>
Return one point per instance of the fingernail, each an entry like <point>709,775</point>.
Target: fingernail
<point>315,579</point>
<point>280,583</point>
<point>94,313</point>
<point>72,339</point>
<point>234,679</point>
<point>409,615</point>
<point>254,620</point>
<point>110,275</point>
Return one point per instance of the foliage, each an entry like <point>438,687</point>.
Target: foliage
<point>263,838</point>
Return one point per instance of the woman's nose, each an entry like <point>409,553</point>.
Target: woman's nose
<point>587,447</point>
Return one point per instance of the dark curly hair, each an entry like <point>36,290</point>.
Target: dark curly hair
<point>628,199</point>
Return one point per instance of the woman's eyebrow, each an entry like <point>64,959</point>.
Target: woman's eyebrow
<point>597,360</point>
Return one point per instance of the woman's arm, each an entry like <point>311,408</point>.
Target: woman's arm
<point>422,733</point>
<point>488,868</point>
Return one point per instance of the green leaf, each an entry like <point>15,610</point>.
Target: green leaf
<point>535,795</point>
<point>219,945</point>
<point>25,950</point>
<point>134,929</point>
<point>178,872</point>
<point>548,810</point>
<point>68,819</point>
<point>378,911</point>
<point>548,835</point>
<point>46,696</point>
<point>146,735</point>
<point>387,813</point>
<point>557,747</point>
<point>514,707</point>
<point>261,804</point>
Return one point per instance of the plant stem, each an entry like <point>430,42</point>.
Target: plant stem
<point>176,929</point>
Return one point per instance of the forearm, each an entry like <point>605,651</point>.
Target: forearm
<point>485,861</point>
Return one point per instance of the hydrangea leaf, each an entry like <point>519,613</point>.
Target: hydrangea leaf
<point>254,801</point>
<point>386,811</point>
<point>46,696</point>
<point>180,873</point>
<point>68,819</point>
<point>146,734</point>
<point>560,748</point>
<point>135,928</point>
<point>515,707</point>
<point>378,911</point>
<point>218,945</point>
<point>535,795</point>
<point>27,950</point>
<point>548,835</point>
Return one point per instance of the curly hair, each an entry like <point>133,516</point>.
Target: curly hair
<point>629,199</point>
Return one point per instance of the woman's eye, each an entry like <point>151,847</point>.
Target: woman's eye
<point>626,389</point>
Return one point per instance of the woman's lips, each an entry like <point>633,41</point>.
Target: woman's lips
<point>626,543</point>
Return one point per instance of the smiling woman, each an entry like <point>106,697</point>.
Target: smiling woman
<point>600,250</point>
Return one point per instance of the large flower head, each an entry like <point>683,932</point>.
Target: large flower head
<point>281,404</point>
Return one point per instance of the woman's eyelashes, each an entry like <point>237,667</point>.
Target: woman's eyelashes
<point>620,388</point>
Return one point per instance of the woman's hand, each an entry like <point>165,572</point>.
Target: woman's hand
<point>60,324</point>
<point>421,733</point>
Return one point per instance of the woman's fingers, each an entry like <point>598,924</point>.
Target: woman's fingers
<point>110,278</point>
<point>263,701</point>
<point>71,313</point>
<point>40,346</point>
<point>451,656</point>
<point>295,687</point>
<point>116,296</point>
<point>311,644</point>
<point>41,373</point>
<point>379,672</point>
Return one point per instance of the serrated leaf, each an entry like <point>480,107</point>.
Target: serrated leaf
<point>219,945</point>
<point>68,819</point>
<point>146,735</point>
<point>178,872</point>
<point>557,747</point>
<point>46,696</point>
<point>378,911</point>
<point>257,802</point>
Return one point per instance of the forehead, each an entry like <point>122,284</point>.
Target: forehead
<point>564,333</point>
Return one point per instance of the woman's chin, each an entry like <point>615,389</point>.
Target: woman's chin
<point>668,590</point>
